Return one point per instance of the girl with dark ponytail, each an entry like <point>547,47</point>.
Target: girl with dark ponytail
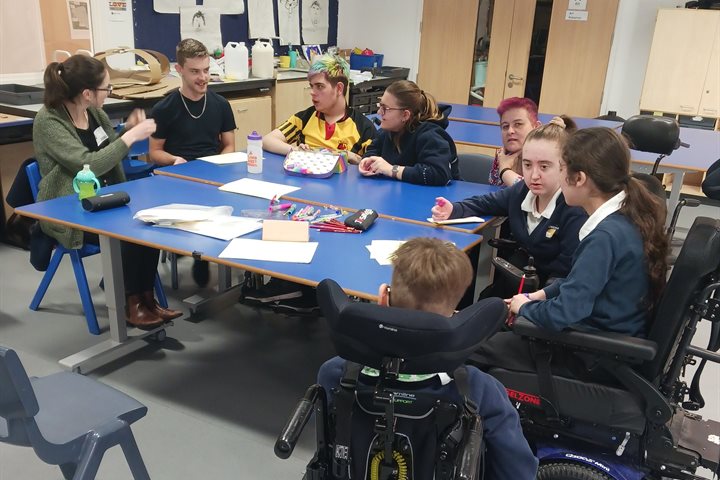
<point>72,130</point>
<point>412,145</point>
<point>619,269</point>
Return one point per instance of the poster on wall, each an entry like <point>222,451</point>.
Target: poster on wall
<point>315,21</point>
<point>289,21</point>
<point>202,24</point>
<point>261,19</point>
<point>119,10</point>
<point>171,6</point>
<point>226,7</point>
<point>79,16</point>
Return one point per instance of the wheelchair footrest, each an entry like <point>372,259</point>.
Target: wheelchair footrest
<point>702,437</point>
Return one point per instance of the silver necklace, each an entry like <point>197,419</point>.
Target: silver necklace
<point>188,110</point>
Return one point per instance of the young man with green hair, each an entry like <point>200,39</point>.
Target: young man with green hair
<point>329,122</point>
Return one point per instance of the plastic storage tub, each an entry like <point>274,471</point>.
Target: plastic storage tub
<point>365,62</point>
<point>20,94</point>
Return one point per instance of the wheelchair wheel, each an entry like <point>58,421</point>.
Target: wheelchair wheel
<point>569,471</point>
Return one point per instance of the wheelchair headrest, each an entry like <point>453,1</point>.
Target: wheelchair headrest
<point>649,133</point>
<point>366,333</point>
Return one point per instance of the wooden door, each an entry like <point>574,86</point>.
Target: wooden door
<point>252,113</point>
<point>577,57</point>
<point>678,61</point>
<point>710,99</point>
<point>447,48</point>
<point>510,38</point>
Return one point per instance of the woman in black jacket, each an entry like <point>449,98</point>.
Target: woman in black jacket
<point>412,144</point>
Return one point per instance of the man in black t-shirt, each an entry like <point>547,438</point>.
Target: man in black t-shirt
<point>192,122</point>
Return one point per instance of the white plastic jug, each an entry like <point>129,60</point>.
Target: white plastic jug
<point>236,61</point>
<point>262,59</point>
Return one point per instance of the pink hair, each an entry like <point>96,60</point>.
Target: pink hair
<point>517,102</point>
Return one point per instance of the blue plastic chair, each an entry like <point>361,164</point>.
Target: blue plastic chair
<point>132,166</point>
<point>76,256</point>
<point>68,419</point>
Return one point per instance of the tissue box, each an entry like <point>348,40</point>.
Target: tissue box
<point>365,62</point>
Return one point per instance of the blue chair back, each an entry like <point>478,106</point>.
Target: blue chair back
<point>475,167</point>
<point>32,170</point>
<point>17,398</point>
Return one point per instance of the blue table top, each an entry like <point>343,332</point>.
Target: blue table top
<point>489,116</point>
<point>703,151</point>
<point>350,190</point>
<point>339,256</point>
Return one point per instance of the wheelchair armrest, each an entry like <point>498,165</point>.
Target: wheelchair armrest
<point>609,343</point>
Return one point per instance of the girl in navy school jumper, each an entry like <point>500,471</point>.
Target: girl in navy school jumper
<point>538,216</point>
<point>413,145</point>
<point>618,270</point>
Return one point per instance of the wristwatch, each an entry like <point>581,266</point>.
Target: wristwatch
<point>394,171</point>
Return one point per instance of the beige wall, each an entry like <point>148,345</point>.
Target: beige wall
<point>21,37</point>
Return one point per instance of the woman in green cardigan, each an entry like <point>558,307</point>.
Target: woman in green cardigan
<point>72,130</point>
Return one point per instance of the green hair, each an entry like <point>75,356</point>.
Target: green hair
<point>334,67</point>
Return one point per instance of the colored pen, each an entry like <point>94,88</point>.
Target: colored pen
<point>440,202</point>
<point>279,206</point>
<point>522,284</point>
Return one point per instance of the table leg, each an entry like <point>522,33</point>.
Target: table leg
<point>121,341</point>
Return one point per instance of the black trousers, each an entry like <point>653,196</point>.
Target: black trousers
<point>139,265</point>
<point>512,352</point>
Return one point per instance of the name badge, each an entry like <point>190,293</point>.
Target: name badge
<point>100,136</point>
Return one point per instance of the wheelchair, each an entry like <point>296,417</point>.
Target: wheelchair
<point>383,428</point>
<point>641,422</point>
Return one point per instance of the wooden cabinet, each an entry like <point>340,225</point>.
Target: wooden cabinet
<point>291,96</point>
<point>683,63</point>
<point>710,97</point>
<point>252,113</point>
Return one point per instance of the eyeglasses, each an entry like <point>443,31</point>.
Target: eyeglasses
<point>109,89</point>
<point>384,108</point>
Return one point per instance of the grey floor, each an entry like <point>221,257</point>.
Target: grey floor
<point>218,391</point>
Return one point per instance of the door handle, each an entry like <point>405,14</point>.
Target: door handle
<point>241,110</point>
<point>515,78</point>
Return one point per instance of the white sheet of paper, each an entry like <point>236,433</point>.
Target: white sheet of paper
<point>315,21</point>
<point>289,21</point>
<point>223,228</point>
<point>202,24</point>
<point>181,212</point>
<point>258,188</point>
<point>289,252</point>
<point>458,220</point>
<point>261,19</point>
<point>226,7</point>
<point>226,158</point>
<point>382,250</point>
<point>171,6</point>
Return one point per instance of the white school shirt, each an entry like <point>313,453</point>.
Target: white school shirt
<point>611,206</point>
<point>534,217</point>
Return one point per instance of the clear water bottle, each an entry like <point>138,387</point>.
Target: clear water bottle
<point>85,183</point>
<point>254,153</point>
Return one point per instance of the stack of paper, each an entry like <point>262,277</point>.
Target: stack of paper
<point>215,222</point>
<point>226,158</point>
<point>270,251</point>
<point>258,188</point>
<point>382,250</point>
